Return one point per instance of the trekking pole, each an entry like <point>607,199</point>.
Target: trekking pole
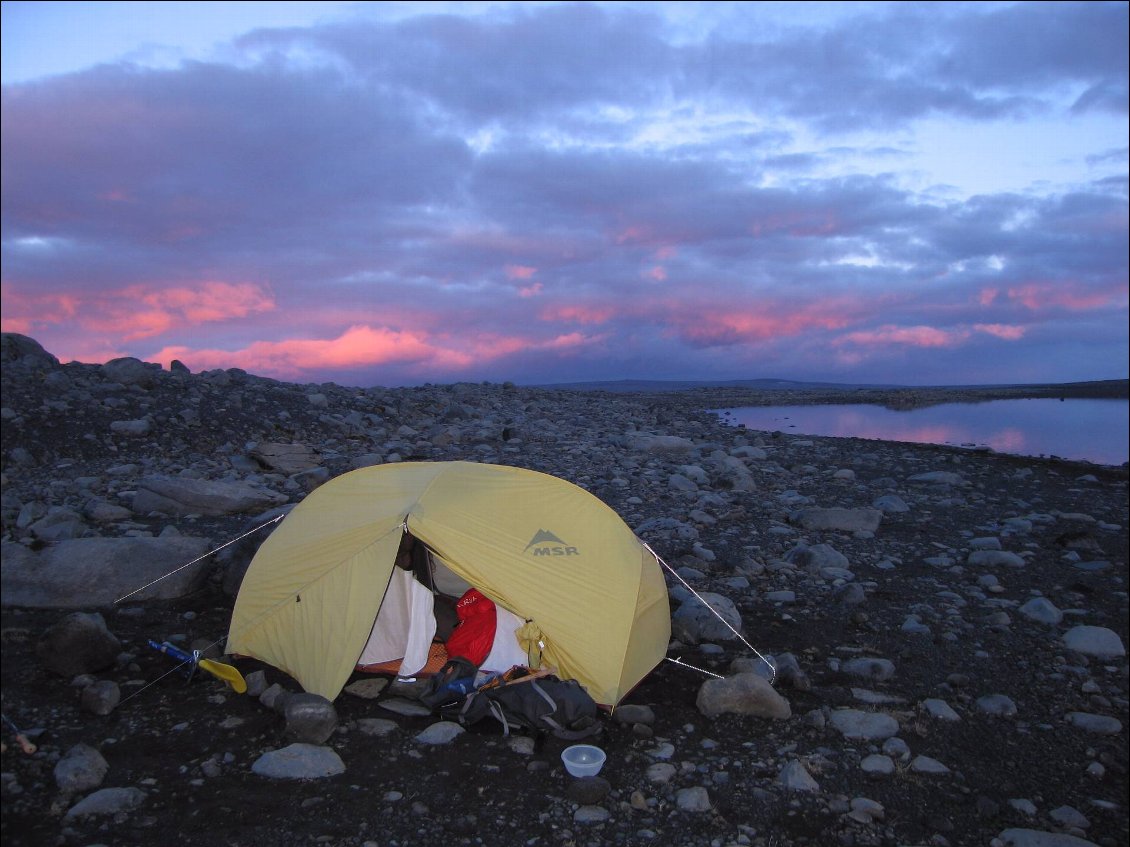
<point>21,739</point>
<point>191,661</point>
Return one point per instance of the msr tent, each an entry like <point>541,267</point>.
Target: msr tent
<point>324,593</point>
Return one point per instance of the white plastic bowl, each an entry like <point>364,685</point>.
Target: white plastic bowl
<point>583,759</point>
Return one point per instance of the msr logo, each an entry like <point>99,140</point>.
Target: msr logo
<point>545,543</point>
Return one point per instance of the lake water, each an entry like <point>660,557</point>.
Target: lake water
<point>1090,430</point>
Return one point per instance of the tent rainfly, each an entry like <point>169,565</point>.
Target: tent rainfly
<point>589,597</point>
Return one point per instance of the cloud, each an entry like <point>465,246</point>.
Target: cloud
<point>556,190</point>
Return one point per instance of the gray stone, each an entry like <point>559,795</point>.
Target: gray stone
<point>816,557</point>
<point>286,458</point>
<point>926,765</point>
<point>844,520</point>
<point>591,815</point>
<point>107,801</point>
<point>1098,724</point>
<point>867,726</point>
<point>310,718</point>
<point>996,704</point>
<point>1036,838</point>
<point>694,622</point>
<point>694,799</point>
<point>83,768</point>
<point>588,790</point>
<point>890,504</point>
<point>1041,610</point>
<point>938,478</point>
<point>443,732</point>
<point>940,709</point>
<point>102,697</point>
<point>995,558</point>
<point>299,761</point>
<point>878,670</point>
<point>78,644</point>
<point>742,694</point>
<point>794,776</point>
<point>186,496</point>
<point>376,726</point>
<point>1097,641</point>
<point>87,572</point>
<point>877,764</point>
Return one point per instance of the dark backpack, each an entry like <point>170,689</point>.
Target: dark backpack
<point>546,704</point>
<point>454,681</point>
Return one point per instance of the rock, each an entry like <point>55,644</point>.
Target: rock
<point>78,644</point>
<point>995,558</point>
<point>1097,641</point>
<point>743,694</point>
<point>286,458</point>
<point>938,478</point>
<point>19,350</point>
<point>816,557</point>
<point>443,732</point>
<point>310,718</point>
<point>890,504</point>
<point>107,801</point>
<point>1036,838</point>
<point>1041,610</point>
<point>877,764</point>
<point>866,726</point>
<point>87,572</point>
<point>795,777</point>
<point>1098,724</point>
<point>996,704</point>
<point>844,520</point>
<point>940,710</point>
<point>694,799</point>
<point>926,765</point>
<point>877,670</point>
<point>101,697</point>
<point>185,496</point>
<point>588,790</point>
<point>694,622</point>
<point>629,713</point>
<point>130,371</point>
<point>299,761</point>
<point>82,769</point>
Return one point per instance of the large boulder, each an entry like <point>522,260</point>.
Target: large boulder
<point>186,496</point>
<point>78,644</point>
<point>84,572</point>
<point>16,349</point>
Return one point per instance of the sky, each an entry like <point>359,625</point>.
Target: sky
<point>407,193</point>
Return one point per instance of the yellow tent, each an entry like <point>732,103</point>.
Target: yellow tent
<point>538,546</point>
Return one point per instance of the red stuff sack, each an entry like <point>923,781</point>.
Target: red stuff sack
<point>473,636</point>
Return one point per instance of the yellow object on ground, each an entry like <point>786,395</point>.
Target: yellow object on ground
<point>537,545</point>
<point>224,672</point>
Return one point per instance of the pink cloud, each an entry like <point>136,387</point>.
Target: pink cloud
<point>658,273</point>
<point>988,296</point>
<point>1005,331</point>
<point>520,271</point>
<point>666,253</point>
<point>290,358</point>
<point>1045,295</point>
<point>716,325</point>
<point>578,313</point>
<point>909,336</point>
<point>530,290</point>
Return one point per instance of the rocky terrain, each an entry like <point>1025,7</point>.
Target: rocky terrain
<point>949,628</point>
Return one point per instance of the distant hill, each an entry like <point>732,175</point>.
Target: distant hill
<point>659,386</point>
<point>1105,388</point>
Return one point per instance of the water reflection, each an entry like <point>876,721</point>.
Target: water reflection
<point>1091,430</point>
